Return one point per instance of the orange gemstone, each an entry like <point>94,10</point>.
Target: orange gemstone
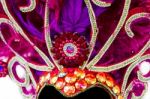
<point>64,70</point>
<point>37,88</point>
<point>53,79</point>
<point>47,76</point>
<point>70,78</point>
<point>116,89</point>
<point>90,79</point>
<point>109,81</point>
<point>81,84</point>
<point>60,83</point>
<point>42,80</point>
<point>101,77</point>
<point>69,90</point>
<point>120,97</point>
<point>79,73</point>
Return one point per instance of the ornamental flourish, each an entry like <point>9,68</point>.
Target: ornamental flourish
<point>75,47</point>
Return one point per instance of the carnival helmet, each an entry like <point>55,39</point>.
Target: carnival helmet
<point>76,48</point>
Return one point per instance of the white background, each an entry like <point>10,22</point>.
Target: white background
<point>9,90</point>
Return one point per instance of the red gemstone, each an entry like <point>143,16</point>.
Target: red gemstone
<point>90,79</point>
<point>79,73</point>
<point>69,90</point>
<point>109,81</point>
<point>81,84</point>
<point>101,77</point>
<point>70,50</point>
<point>60,83</point>
<point>70,78</point>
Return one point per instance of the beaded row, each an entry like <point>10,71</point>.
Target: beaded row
<point>72,82</point>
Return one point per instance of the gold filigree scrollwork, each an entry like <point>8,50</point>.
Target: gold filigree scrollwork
<point>30,7</point>
<point>42,68</point>
<point>101,3</point>
<point>122,64</point>
<point>94,29</point>
<point>21,32</point>
<point>140,77</point>
<point>133,18</point>
<point>27,78</point>
<point>91,64</point>
<point>130,69</point>
<point>126,93</point>
<point>47,35</point>
<point>10,71</point>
